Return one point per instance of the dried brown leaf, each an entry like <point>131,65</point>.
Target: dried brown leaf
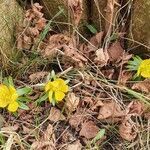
<point>33,31</point>
<point>37,76</point>
<point>77,119</point>
<point>47,141</point>
<point>96,41</point>
<point>110,110</point>
<point>56,115</point>
<point>115,51</point>
<point>54,43</point>
<point>108,73</point>
<point>76,7</point>
<point>73,53</point>
<point>75,146</point>
<point>143,86</point>
<point>41,23</point>
<point>72,102</point>
<point>10,128</point>
<point>89,130</point>
<point>127,129</point>
<point>98,104</point>
<point>124,77</point>
<point>102,57</point>
<point>49,133</point>
<point>68,137</point>
<point>135,108</point>
<point>33,24</point>
<point>124,59</point>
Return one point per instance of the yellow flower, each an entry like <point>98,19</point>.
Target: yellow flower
<point>56,89</point>
<point>8,97</point>
<point>144,68</point>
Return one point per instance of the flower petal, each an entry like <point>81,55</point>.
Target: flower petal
<point>13,93</point>
<point>144,68</point>
<point>12,107</point>
<point>50,96</point>
<point>59,95</point>
<point>60,85</point>
<point>64,88</point>
<point>4,96</point>
<point>3,103</point>
<point>145,73</point>
<point>48,86</point>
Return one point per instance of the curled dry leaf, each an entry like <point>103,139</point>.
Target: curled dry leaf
<point>64,45</point>
<point>87,100</point>
<point>40,24</point>
<point>47,141</point>
<point>26,130</point>
<point>127,129</point>
<point>102,57</point>
<point>53,45</point>
<point>115,51</point>
<point>56,115</point>
<point>124,77</point>
<point>111,110</point>
<point>75,146</point>
<point>68,137</point>
<point>10,128</point>
<point>124,59</point>
<point>77,119</point>
<point>72,51</point>
<point>72,102</point>
<point>37,76</point>
<point>108,73</point>
<point>34,23</point>
<point>89,130</point>
<point>88,49</point>
<point>76,7</point>
<point>98,104</point>
<point>95,41</point>
<point>143,86</point>
<point>135,108</point>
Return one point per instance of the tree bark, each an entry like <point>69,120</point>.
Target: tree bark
<point>52,7</point>
<point>140,26</point>
<point>10,14</point>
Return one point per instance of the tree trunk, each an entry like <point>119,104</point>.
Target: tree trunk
<point>98,14</point>
<point>10,14</point>
<point>140,26</point>
<point>52,7</point>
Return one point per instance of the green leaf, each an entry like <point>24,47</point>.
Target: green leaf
<point>53,102</point>
<point>10,81</point>
<point>24,91</point>
<point>23,99</point>
<point>139,96</point>
<point>67,81</point>
<point>6,82</point>
<point>99,135</point>
<point>23,106</point>
<point>134,64</point>
<point>53,75</point>
<point>91,28</point>
<point>48,77</point>
<point>42,98</point>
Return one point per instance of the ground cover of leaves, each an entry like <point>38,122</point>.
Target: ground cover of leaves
<point>99,112</point>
